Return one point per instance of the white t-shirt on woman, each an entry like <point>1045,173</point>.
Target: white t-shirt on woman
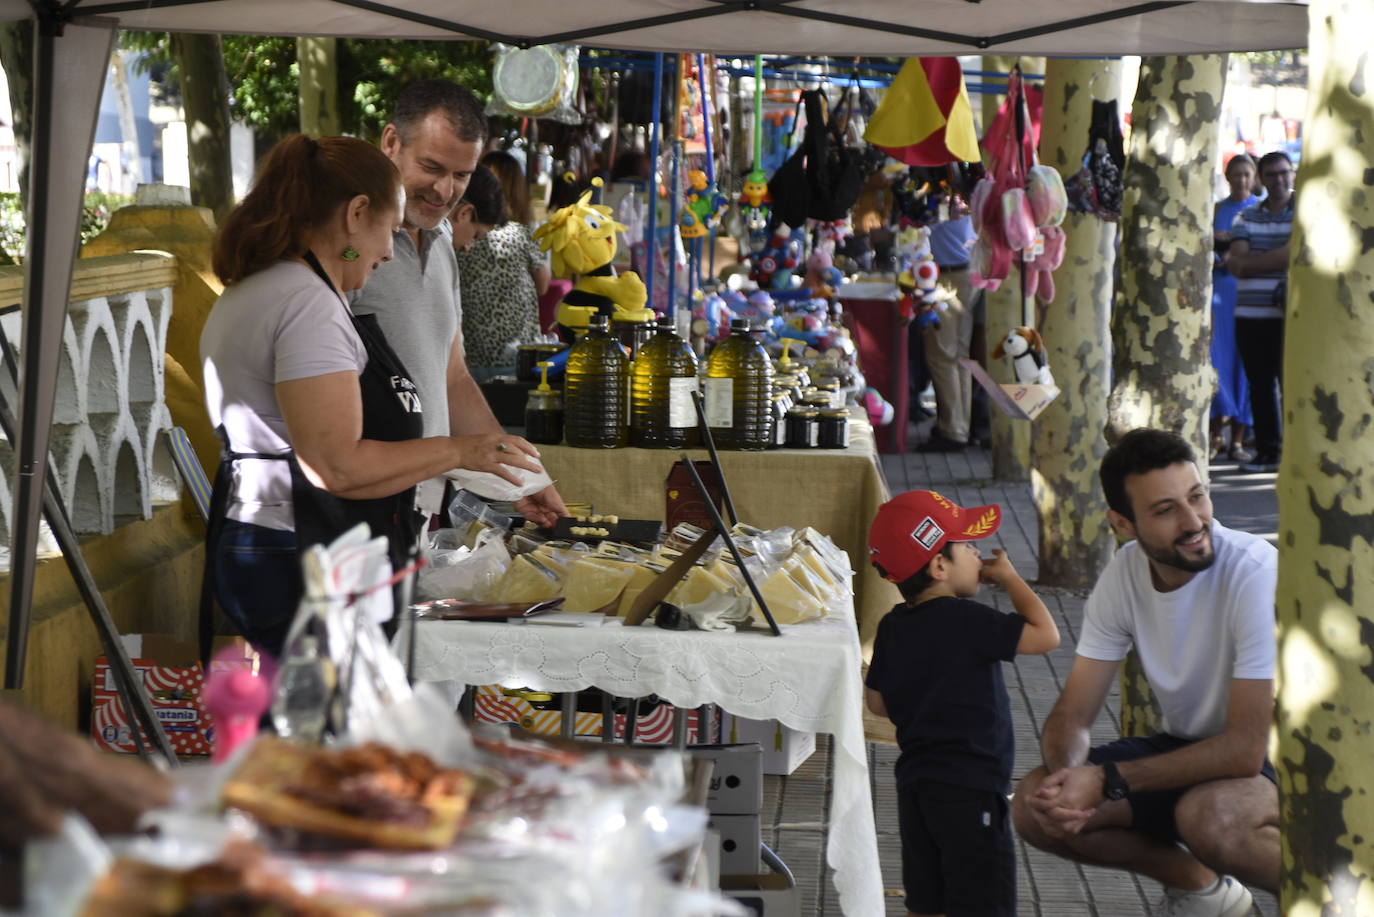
<point>280,324</point>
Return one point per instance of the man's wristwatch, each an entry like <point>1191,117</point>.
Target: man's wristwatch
<point>1113,784</point>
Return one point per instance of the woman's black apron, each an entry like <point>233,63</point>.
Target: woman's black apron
<point>391,413</point>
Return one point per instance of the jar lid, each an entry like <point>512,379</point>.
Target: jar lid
<point>810,413</point>
<point>835,414</point>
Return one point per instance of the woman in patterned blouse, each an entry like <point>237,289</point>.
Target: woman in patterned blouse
<point>501,270</point>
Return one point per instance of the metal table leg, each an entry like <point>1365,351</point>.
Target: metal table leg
<point>569,705</point>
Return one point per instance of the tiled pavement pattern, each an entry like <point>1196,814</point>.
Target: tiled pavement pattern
<point>795,807</point>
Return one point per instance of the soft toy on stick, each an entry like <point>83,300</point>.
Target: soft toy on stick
<point>1027,352</point>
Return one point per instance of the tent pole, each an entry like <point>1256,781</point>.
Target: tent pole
<point>651,239</point>
<point>72,70</point>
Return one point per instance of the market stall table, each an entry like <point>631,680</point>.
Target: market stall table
<point>808,679</point>
<point>835,491</point>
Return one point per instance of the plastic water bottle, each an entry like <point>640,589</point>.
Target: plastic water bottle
<point>301,704</point>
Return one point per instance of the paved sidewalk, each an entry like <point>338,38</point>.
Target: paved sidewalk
<point>795,806</point>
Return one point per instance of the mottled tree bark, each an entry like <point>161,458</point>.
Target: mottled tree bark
<point>205,98</point>
<point>1067,442</point>
<point>1326,502</point>
<point>1161,327</point>
<point>319,85</point>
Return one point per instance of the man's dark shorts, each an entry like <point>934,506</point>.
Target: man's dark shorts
<point>1153,813</point>
<point>958,858</point>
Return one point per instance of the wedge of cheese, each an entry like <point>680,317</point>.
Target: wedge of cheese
<point>698,585</point>
<point>788,601</point>
<point>527,579</point>
<point>640,579</point>
<point>595,583</point>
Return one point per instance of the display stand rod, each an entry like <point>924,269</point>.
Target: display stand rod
<point>730,543</point>
<point>144,727</point>
<point>710,441</point>
<point>758,111</point>
<point>706,110</point>
<point>651,239</point>
<point>673,195</point>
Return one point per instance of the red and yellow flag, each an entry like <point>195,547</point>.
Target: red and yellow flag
<point>925,118</point>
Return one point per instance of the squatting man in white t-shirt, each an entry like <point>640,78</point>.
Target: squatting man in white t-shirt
<point>1195,807</point>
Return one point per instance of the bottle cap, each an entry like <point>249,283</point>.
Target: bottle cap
<point>599,321</point>
<point>739,324</point>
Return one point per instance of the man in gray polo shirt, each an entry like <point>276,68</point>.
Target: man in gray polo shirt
<point>435,137</point>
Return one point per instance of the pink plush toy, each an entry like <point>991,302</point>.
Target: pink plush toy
<point>1040,272</point>
<point>880,412</point>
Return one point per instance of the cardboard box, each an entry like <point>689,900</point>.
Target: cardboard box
<point>784,749</point>
<point>1021,401</point>
<point>768,895</point>
<point>172,676</point>
<point>493,705</point>
<point>737,781</point>
<point>740,840</point>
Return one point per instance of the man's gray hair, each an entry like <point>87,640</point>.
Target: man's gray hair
<point>460,108</point>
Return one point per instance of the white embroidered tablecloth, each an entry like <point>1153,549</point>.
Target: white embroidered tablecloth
<point>808,679</point>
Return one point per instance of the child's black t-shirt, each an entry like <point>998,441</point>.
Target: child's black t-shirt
<point>938,666</point>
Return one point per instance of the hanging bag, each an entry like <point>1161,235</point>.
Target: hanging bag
<point>833,170</point>
<point>789,188</point>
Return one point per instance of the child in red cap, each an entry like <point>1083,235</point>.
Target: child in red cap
<point>937,674</point>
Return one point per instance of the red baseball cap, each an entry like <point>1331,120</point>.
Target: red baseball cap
<point>911,528</point>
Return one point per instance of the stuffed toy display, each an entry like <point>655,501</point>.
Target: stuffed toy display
<point>1027,353</point>
<point>1018,207</point>
<point>581,241</point>
<point>704,207</point>
<point>772,266</point>
<point>822,277</point>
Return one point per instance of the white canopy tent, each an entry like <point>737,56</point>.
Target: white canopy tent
<point>74,39</point>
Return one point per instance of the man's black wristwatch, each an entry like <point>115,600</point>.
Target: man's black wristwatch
<point>1113,784</point>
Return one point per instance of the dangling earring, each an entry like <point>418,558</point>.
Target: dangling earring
<point>350,253</point>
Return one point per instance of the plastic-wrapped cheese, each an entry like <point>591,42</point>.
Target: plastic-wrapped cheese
<point>797,568</point>
<point>526,580</point>
<point>595,583</point>
<point>698,585</point>
<point>788,601</point>
<point>640,579</point>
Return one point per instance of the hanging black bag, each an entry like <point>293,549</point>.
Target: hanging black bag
<point>788,187</point>
<point>833,170</point>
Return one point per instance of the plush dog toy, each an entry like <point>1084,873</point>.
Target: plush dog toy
<point>1027,353</point>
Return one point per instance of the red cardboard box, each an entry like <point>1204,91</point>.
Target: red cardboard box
<point>492,705</point>
<point>172,676</point>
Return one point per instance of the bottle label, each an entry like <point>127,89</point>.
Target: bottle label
<point>681,413</point>
<point>720,402</point>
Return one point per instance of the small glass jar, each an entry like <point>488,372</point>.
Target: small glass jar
<point>781,404</point>
<point>833,429</point>
<point>544,417</point>
<point>802,428</point>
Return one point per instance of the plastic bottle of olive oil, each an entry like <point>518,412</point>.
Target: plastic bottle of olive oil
<point>738,391</point>
<point>662,415</point>
<point>594,390</point>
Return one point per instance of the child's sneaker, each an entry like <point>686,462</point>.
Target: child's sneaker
<point>1226,898</point>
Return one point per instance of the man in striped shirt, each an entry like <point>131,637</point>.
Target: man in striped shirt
<point>1258,258</point>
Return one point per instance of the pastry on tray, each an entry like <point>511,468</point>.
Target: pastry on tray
<point>235,885</point>
<point>370,795</point>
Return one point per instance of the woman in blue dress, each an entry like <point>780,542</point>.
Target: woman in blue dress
<point>1231,404</point>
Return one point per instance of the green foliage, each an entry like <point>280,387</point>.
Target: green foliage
<point>95,216</point>
<point>264,77</point>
